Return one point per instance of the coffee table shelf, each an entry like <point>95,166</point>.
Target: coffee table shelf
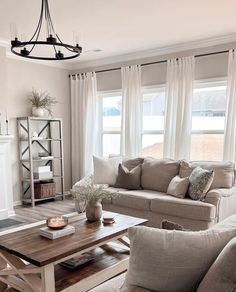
<point>105,257</point>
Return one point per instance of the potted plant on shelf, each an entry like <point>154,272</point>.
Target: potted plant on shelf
<point>41,103</point>
<point>89,198</point>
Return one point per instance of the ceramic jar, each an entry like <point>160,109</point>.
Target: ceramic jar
<point>38,112</point>
<point>94,211</point>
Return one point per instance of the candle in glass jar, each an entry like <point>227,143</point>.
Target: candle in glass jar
<point>57,222</point>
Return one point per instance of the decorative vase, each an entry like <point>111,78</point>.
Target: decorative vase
<point>94,211</point>
<point>38,112</point>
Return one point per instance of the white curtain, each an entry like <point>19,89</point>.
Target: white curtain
<point>178,108</point>
<point>131,111</point>
<point>83,123</point>
<point>230,124</point>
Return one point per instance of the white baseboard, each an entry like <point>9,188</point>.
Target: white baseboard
<point>11,213</point>
<point>17,203</point>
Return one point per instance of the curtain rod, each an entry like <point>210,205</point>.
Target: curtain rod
<point>158,62</point>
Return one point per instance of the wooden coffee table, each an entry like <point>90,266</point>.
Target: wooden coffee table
<point>29,262</point>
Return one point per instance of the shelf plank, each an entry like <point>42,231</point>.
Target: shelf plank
<point>39,119</point>
<point>38,140</point>
<point>43,199</point>
<point>43,179</point>
<point>39,160</point>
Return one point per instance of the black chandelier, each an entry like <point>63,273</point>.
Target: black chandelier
<point>26,49</point>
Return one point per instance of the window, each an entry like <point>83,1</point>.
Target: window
<point>111,104</point>
<point>153,122</point>
<point>208,118</point>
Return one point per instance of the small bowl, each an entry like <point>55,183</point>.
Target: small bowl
<point>56,223</point>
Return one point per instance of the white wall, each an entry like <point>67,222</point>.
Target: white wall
<point>214,66</point>
<point>20,78</point>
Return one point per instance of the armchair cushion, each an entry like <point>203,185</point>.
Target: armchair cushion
<point>222,274</point>
<point>163,260</point>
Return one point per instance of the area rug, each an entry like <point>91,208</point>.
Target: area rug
<point>6,223</point>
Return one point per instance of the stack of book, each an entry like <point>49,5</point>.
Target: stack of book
<point>43,172</point>
<point>78,261</point>
<point>54,234</point>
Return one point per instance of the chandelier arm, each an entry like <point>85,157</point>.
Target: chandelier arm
<point>71,50</point>
<point>46,19</point>
<point>37,37</point>
<point>47,15</point>
<point>49,18</point>
<point>55,49</point>
<point>39,22</point>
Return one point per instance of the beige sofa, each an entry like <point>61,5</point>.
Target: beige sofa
<point>152,202</point>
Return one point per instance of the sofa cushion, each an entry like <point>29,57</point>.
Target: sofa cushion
<point>186,208</point>
<point>157,173</point>
<point>163,260</point>
<point>140,199</point>
<point>224,172</point>
<point>131,163</point>
<point>178,187</point>
<point>222,274</point>
<point>128,179</point>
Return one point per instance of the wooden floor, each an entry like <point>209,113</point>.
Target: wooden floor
<point>44,210</point>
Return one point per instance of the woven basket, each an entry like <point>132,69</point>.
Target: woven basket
<point>44,190</point>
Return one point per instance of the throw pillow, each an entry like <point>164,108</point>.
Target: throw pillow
<point>132,163</point>
<point>178,187</point>
<point>200,183</point>
<point>169,225</point>
<point>105,170</point>
<point>165,260</point>
<point>222,274</point>
<point>128,179</point>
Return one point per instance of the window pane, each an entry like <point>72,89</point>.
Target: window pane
<point>209,105</point>
<point>111,144</point>
<point>111,108</point>
<point>207,147</point>
<point>208,117</point>
<point>152,145</point>
<point>153,111</point>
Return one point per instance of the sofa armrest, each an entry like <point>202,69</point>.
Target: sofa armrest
<point>214,196</point>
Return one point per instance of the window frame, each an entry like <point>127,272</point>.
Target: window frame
<point>101,95</point>
<point>152,89</point>
<point>212,82</point>
<point>118,92</point>
<point>201,84</point>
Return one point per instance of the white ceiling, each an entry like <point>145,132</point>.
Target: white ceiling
<point>121,27</point>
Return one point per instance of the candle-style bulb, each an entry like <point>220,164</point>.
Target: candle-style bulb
<point>14,31</point>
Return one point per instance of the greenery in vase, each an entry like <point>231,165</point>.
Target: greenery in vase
<point>92,193</point>
<point>42,100</point>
